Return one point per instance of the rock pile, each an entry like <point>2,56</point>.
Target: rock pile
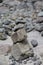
<point>17,18</point>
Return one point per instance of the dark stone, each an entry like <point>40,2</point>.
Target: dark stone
<point>39,27</point>
<point>35,58</point>
<point>1,1</point>
<point>34,43</point>
<point>42,33</point>
<point>19,22</point>
<point>6,22</point>
<point>29,27</point>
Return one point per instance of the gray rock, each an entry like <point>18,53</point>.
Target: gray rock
<point>22,50</point>
<point>38,62</point>
<point>4,10</point>
<point>1,1</point>
<point>6,22</point>
<point>40,14</point>
<point>38,20</point>
<point>39,27</point>
<point>42,33</point>
<point>19,35</point>
<point>39,5</point>
<point>2,34</point>
<point>17,27</point>
<point>29,27</point>
<point>20,21</point>
<point>34,43</point>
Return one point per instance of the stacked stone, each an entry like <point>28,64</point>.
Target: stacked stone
<point>18,17</point>
<point>21,48</point>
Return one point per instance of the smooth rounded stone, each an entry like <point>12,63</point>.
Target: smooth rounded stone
<point>2,30</point>
<point>34,43</point>
<point>29,27</point>
<point>39,27</point>
<point>40,14</point>
<point>38,62</point>
<point>17,27</point>
<point>42,33</point>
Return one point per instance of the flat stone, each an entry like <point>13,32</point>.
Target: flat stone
<point>20,21</point>
<point>3,10</point>
<point>17,27</point>
<point>40,14</point>
<point>38,20</point>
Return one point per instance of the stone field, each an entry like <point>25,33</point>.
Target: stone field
<point>21,32</point>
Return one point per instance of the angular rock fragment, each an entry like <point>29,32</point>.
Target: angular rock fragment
<point>19,35</point>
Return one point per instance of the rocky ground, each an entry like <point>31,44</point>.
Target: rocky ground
<point>29,13</point>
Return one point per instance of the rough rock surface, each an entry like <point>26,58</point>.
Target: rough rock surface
<point>14,14</point>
